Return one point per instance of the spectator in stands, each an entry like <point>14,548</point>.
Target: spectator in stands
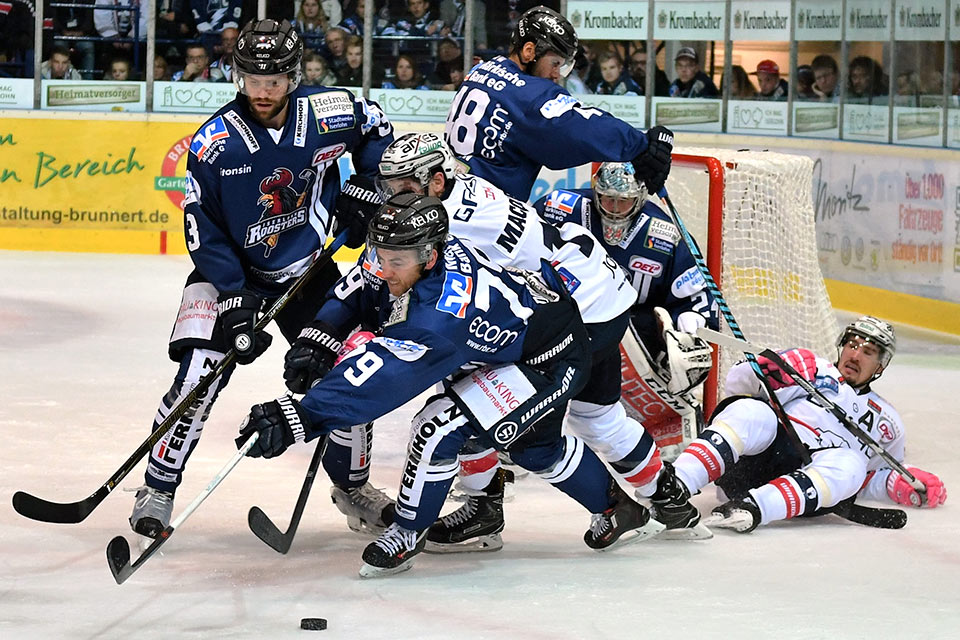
<point>931,82</point>
<point>576,81</point>
<point>316,73</point>
<point>58,66</point>
<point>352,23</point>
<point>161,70</point>
<point>805,80</point>
<point>114,24</point>
<point>417,21</point>
<point>691,82</point>
<point>772,86</point>
<point>221,69</point>
<point>615,81</point>
<point>449,57</point>
<point>406,74</point>
<point>453,15</point>
<point>351,73</point>
<point>333,10</point>
<point>76,22</point>
<point>213,16</point>
<point>335,48</point>
<point>312,23</point>
<point>826,76</point>
<point>866,81</point>
<point>741,87</point>
<point>174,23</point>
<point>638,71</point>
<point>119,70</point>
<point>197,68</point>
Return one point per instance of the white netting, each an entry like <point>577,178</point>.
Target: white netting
<point>771,275</point>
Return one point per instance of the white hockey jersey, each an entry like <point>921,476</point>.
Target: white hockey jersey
<point>511,234</point>
<point>818,428</point>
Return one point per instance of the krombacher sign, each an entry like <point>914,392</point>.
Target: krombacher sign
<point>925,22</point>
<point>868,20</point>
<point>690,21</point>
<point>818,20</point>
<point>772,22</point>
<point>609,20</point>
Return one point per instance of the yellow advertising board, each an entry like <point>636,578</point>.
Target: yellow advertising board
<point>93,183</point>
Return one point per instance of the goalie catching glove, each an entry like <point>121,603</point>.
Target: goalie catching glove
<point>281,422</point>
<point>238,317</point>
<point>312,356</point>
<point>688,356</point>
<point>356,204</point>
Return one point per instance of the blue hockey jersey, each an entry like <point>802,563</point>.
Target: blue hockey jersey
<point>508,125</point>
<point>256,209</point>
<point>652,251</point>
<point>464,310</point>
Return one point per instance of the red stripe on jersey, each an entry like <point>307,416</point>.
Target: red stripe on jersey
<point>648,472</point>
<point>707,458</point>
<point>790,496</point>
<point>6,8</point>
<point>479,465</point>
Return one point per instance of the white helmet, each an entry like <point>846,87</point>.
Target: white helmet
<point>875,331</point>
<point>417,156</point>
<point>617,180</point>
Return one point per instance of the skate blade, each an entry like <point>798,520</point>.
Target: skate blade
<point>699,532</point>
<point>647,531</point>
<point>474,545</point>
<point>736,522</point>
<point>368,571</point>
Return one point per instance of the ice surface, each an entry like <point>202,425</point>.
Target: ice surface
<point>83,364</point>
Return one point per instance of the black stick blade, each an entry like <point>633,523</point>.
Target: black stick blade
<point>118,559</point>
<point>877,517</point>
<point>30,506</point>
<point>263,527</point>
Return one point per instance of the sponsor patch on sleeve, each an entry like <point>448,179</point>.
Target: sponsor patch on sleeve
<point>688,283</point>
<point>333,111</point>
<point>405,350</point>
<point>456,295</point>
<point>205,138</point>
<point>558,106</point>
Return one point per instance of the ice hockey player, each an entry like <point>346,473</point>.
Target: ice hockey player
<point>441,309</point>
<point>511,234</point>
<point>510,118</point>
<point>262,187</point>
<point>744,453</point>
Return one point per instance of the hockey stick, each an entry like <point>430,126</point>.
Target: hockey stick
<point>817,397</point>
<point>35,508</point>
<point>118,550</point>
<point>264,528</point>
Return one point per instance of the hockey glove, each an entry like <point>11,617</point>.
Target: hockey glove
<point>281,422</point>
<point>688,356</point>
<point>238,317</point>
<point>312,356</point>
<point>803,360</point>
<point>653,164</point>
<point>356,204</point>
<point>901,492</point>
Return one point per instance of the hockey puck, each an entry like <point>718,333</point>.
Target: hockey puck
<point>313,624</point>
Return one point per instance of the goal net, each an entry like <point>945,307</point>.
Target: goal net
<point>751,213</point>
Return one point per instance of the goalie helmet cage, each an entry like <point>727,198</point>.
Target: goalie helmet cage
<point>752,215</point>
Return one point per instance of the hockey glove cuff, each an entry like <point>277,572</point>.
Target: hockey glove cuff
<point>901,492</point>
<point>238,317</point>
<point>653,164</point>
<point>281,422</point>
<point>356,204</point>
<point>312,356</point>
<point>803,360</point>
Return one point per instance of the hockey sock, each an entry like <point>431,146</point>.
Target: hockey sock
<point>790,495</point>
<point>346,455</point>
<point>477,469</point>
<point>708,457</point>
<point>641,467</point>
<point>580,474</point>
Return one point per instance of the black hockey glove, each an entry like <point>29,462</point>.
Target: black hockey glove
<point>356,204</point>
<point>312,356</point>
<point>281,422</point>
<point>653,165</point>
<point>238,316</point>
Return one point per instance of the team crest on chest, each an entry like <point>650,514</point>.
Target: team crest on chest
<point>283,208</point>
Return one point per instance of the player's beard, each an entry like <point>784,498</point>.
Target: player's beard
<point>264,115</point>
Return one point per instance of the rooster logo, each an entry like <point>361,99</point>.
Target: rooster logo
<point>282,208</point>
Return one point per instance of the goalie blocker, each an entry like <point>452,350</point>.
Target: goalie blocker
<point>663,393</point>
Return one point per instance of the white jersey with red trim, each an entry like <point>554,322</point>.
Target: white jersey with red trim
<point>511,234</point>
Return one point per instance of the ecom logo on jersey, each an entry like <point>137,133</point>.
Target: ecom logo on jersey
<point>456,294</point>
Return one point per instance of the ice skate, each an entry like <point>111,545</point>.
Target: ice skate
<point>367,508</point>
<point>152,509</point>
<point>475,526</point>
<point>672,507</point>
<point>742,516</point>
<point>623,523</point>
<point>392,552</point>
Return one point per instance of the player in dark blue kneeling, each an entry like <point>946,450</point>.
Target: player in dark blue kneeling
<point>510,348</point>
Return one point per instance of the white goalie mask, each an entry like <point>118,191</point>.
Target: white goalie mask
<point>618,196</point>
<point>409,162</point>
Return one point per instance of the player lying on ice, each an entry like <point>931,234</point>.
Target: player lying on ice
<point>427,295</point>
<point>744,451</point>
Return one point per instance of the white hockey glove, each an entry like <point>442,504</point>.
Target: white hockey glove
<point>688,356</point>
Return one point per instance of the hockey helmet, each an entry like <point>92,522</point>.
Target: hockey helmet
<point>618,196</point>
<point>874,331</point>
<point>416,156</point>
<point>549,31</point>
<point>409,221</point>
<point>267,48</point>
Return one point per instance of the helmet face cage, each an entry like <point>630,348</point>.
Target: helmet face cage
<point>418,156</point>
<point>875,331</point>
<point>617,180</point>
<point>409,221</point>
<point>549,31</point>
<point>267,48</point>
